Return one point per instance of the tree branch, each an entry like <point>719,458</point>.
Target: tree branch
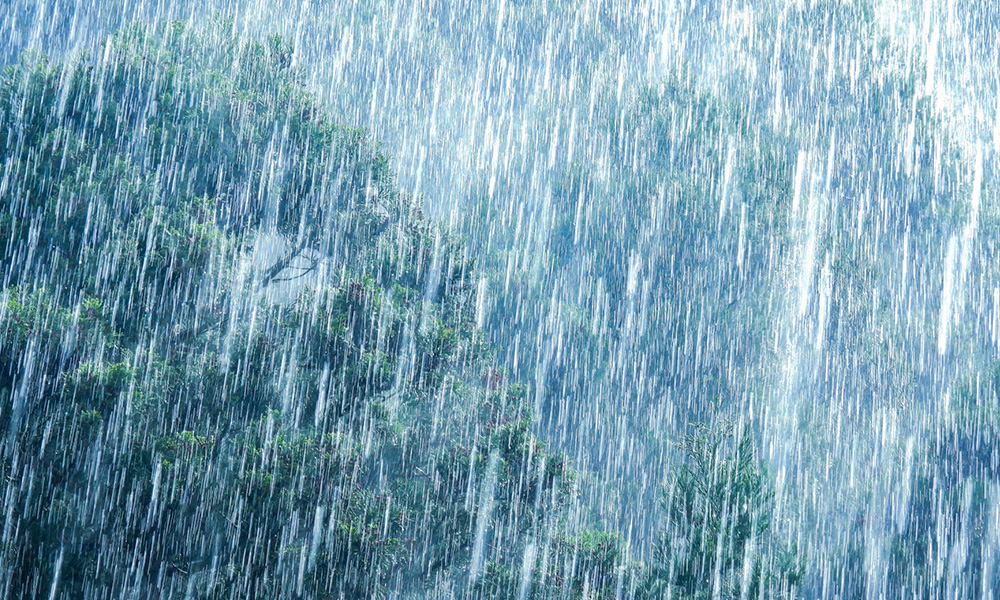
<point>282,263</point>
<point>305,271</point>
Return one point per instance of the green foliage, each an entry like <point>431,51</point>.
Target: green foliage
<point>590,565</point>
<point>169,405</point>
<point>949,489</point>
<point>717,541</point>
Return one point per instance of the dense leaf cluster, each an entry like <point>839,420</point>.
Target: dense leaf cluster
<point>235,360</point>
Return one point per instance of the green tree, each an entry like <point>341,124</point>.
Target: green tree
<point>235,360</point>
<point>718,541</point>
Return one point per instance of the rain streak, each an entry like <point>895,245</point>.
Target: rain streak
<point>499,299</point>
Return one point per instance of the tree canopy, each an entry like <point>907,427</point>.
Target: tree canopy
<point>233,355</point>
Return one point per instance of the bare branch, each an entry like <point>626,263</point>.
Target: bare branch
<point>299,276</point>
<point>282,263</point>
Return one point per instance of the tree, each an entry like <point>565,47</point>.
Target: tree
<point>718,541</point>
<point>235,360</point>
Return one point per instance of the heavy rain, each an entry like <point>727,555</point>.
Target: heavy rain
<point>499,299</point>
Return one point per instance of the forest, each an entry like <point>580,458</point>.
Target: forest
<point>527,301</point>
